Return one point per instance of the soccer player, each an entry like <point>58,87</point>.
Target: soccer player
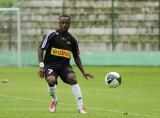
<point>58,46</point>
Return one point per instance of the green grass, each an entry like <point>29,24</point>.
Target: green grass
<point>26,96</point>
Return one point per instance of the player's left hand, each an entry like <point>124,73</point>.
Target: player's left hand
<point>87,76</point>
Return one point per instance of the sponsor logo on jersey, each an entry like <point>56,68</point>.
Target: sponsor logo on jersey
<point>61,52</point>
<point>69,43</point>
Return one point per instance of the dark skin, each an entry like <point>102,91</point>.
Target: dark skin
<point>64,24</point>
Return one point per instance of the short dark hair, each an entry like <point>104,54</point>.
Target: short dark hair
<point>64,15</point>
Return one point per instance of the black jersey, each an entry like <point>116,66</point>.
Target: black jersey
<point>59,47</point>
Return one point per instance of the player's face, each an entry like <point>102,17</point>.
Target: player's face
<point>64,23</point>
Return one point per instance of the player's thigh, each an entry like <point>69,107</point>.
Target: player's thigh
<point>68,75</point>
<point>51,75</point>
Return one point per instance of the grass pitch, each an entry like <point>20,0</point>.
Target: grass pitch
<point>26,96</point>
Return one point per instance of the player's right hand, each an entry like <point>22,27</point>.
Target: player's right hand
<point>88,75</point>
<point>41,72</point>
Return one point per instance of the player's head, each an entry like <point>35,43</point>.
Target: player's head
<point>64,22</point>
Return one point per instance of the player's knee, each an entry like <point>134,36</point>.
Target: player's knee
<point>71,75</point>
<point>71,78</point>
<point>51,80</point>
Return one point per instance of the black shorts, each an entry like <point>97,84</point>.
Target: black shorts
<point>56,70</point>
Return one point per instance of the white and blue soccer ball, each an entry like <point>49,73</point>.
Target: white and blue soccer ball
<point>113,79</point>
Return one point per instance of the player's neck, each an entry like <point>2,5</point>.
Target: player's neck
<point>63,32</point>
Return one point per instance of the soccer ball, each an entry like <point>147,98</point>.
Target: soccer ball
<point>113,79</point>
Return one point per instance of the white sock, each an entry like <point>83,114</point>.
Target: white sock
<point>52,91</point>
<point>77,94</point>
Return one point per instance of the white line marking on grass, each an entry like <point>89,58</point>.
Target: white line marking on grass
<point>94,108</point>
<point>23,98</point>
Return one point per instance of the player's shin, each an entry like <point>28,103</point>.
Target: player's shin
<point>78,95</point>
<point>52,91</point>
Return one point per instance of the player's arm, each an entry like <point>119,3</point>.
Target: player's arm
<point>40,57</point>
<point>43,46</point>
<point>77,59</point>
<point>41,64</point>
<point>80,66</point>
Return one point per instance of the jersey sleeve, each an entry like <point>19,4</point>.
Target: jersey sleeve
<point>45,42</point>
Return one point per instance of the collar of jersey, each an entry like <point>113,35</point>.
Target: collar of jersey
<point>61,33</point>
